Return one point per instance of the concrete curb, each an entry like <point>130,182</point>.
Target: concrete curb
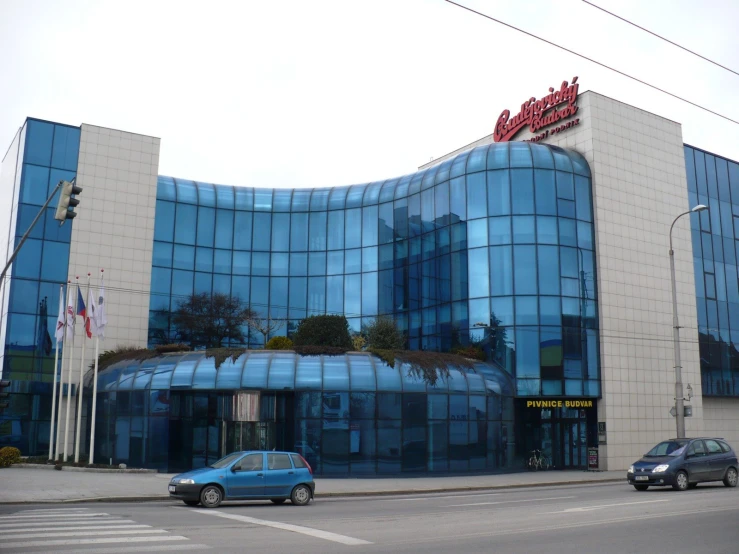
<point>84,469</point>
<point>319,495</point>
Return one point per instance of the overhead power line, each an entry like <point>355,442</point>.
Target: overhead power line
<point>593,61</point>
<point>662,38</point>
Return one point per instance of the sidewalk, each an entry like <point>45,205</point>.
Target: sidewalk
<point>29,485</point>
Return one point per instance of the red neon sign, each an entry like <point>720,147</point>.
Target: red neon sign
<point>538,114</point>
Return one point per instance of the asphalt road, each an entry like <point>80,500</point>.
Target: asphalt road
<point>604,518</point>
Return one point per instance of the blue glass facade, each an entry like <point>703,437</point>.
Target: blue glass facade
<point>714,182</point>
<point>347,415</point>
<point>493,246</point>
<point>43,154</point>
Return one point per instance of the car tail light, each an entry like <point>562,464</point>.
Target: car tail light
<point>306,463</point>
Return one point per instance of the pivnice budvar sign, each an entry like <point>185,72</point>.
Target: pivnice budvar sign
<point>540,115</point>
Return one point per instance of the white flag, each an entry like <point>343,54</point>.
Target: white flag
<point>59,333</point>
<point>100,320</point>
<point>91,315</point>
<point>70,312</point>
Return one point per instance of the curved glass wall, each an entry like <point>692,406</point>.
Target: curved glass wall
<point>714,182</point>
<point>494,246</point>
<point>349,414</point>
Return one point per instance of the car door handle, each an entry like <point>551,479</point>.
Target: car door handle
<point>260,474</point>
<point>291,473</point>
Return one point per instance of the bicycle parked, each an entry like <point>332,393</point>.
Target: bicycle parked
<point>538,461</point>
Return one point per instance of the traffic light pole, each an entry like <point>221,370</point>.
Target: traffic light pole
<point>28,232</point>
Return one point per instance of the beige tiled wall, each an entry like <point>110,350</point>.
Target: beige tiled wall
<point>114,231</point>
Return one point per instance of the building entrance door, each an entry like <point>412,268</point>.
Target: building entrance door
<point>561,434</point>
<point>573,445</point>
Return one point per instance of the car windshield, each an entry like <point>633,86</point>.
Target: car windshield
<point>667,448</point>
<point>226,460</point>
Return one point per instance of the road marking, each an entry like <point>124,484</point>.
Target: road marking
<point>52,510</point>
<point>134,549</point>
<point>43,534</point>
<point>589,508</point>
<point>52,516</point>
<point>53,527</point>
<point>317,533</point>
<point>96,523</point>
<point>508,501</point>
<point>73,542</point>
<point>439,497</point>
<point>560,527</point>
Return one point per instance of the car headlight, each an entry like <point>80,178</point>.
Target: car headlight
<point>661,468</point>
<point>187,482</point>
<point>631,469</point>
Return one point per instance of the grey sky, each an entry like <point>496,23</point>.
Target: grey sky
<point>320,93</point>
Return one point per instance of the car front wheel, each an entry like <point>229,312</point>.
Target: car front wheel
<point>731,477</point>
<point>641,487</point>
<point>300,495</point>
<point>681,481</point>
<point>211,496</point>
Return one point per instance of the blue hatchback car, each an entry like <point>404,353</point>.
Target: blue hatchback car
<point>252,475</point>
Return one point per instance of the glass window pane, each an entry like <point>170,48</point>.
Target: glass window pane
<point>204,259</point>
<point>317,231</point>
<point>280,232</point>
<point>164,221</point>
<point>301,200</point>
<point>524,230</point>
<point>51,269</point>
<point>546,192</point>
<point>476,196</point>
<point>299,232</point>
<point>242,230</point>
<point>335,230</point>
<point>39,139</point>
<point>224,228</point>
<point>184,228</point>
<point>522,191</point>
<point>184,257</point>
<point>262,227</point>
<point>362,374</point>
<point>524,273</point>
<point>335,373</point>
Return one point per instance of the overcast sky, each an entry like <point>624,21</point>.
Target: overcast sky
<point>322,93</point>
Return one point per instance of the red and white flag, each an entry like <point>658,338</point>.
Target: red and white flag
<point>59,333</point>
<point>70,312</point>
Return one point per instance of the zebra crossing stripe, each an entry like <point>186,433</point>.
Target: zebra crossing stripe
<point>44,534</point>
<point>102,540</point>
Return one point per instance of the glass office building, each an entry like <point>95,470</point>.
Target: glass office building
<point>493,246</point>
<point>42,154</point>
<point>714,182</point>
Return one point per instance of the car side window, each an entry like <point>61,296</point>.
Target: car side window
<point>250,462</point>
<point>725,447</point>
<point>697,449</point>
<point>278,461</point>
<point>298,461</point>
<point>713,447</point>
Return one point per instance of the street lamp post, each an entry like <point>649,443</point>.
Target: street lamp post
<point>679,406</point>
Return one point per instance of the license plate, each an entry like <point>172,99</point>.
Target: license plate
<point>172,488</point>
<point>637,478</point>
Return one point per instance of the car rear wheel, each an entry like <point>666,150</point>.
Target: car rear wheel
<point>192,502</point>
<point>641,487</point>
<point>278,500</point>
<point>211,496</point>
<point>730,478</point>
<point>681,481</point>
<point>300,495</point>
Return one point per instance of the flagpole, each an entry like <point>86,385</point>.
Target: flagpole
<point>69,374</point>
<point>82,374</point>
<point>61,381</point>
<point>53,388</point>
<point>95,380</point>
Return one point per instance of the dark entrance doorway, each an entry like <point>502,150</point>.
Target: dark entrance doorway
<point>562,434</point>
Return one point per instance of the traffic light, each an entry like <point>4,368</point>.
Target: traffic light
<point>4,394</point>
<point>66,205</point>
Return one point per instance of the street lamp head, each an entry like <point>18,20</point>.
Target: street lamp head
<point>699,208</point>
